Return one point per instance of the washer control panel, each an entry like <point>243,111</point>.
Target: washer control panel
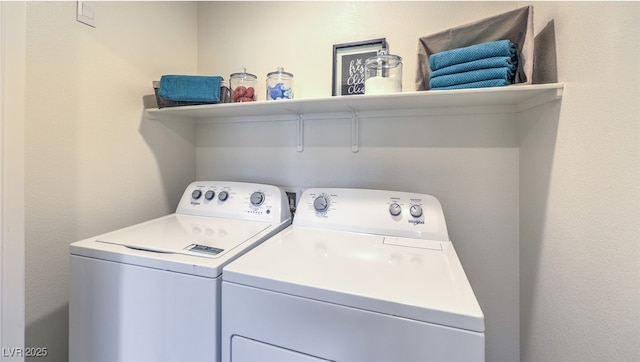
<point>392,213</point>
<point>237,200</point>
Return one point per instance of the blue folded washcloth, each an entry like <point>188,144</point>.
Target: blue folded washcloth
<point>190,88</point>
<point>495,62</point>
<point>447,80</point>
<point>499,48</point>
<point>480,84</point>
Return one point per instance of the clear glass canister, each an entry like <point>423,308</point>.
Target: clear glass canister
<point>279,85</point>
<point>243,86</point>
<point>383,74</point>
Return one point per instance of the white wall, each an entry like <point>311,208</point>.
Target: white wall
<point>12,111</point>
<point>93,163</point>
<point>580,192</point>
<point>299,36</point>
<point>558,282</point>
<point>469,162</point>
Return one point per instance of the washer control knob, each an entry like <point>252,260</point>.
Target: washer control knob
<point>223,196</point>
<point>395,209</point>
<point>257,198</point>
<point>321,203</point>
<point>209,195</point>
<point>416,210</point>
<point>196,194</point>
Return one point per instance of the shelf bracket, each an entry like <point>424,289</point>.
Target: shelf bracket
<point>355,131</point>
<point>300,134</point>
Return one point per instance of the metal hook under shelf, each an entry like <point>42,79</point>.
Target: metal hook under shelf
<point>355,131</point>
<point>300,134</point>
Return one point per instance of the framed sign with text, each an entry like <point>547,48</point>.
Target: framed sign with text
<point>348,65</point>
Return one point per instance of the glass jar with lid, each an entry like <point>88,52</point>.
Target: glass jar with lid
<point>383,74</point>
<point>279,85</point>
<point>243,86</point>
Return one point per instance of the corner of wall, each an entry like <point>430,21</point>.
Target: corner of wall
<point>12,77</point>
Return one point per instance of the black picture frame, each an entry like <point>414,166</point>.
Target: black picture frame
<point>348,65</point>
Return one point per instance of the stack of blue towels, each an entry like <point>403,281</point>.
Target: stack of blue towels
<point>492,64</point>
<point>190,88</point>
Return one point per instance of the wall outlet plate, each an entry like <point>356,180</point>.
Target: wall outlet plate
<point>86,13</point>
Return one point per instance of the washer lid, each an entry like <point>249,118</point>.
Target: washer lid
<point>415,279</point>
<point>167,243</point>
<point>186,234</point>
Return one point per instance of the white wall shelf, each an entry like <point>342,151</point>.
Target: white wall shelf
<point>512,99</point>
<point>515,98</point>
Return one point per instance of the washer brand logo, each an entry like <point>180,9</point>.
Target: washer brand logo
<point>416,222</point>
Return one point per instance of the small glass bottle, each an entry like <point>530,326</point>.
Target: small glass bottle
<point>279,85</point>
<point>383,74</point>
<point>243,86</point>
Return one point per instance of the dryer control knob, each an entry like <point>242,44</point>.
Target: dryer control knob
<point>321,203</point>
<point>223,196</point>
<point>257,198</point>
<point>196,194</point>
<point>395,209</point>
<point>209,195</point>
<point>416,210</point>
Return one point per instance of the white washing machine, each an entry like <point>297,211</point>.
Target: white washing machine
<point>360,276</point>
<point>151,292</point>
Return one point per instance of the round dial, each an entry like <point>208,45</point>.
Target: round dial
<point>321,203</point>
<point>223,196</point>
<point>416,210</point>
<point>395,209</point>
<point>209,195</point>
<point>257,198</point>
<point>196,194</point>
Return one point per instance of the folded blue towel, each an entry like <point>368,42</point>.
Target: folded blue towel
<point>471,77</point>
<point>190,88</point>
<point>499,48</point>
<point>495,62</point>
<point>480,84</point>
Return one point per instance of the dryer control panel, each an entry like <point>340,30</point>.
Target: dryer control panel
<point>235,200</point>
<point>392,213</point>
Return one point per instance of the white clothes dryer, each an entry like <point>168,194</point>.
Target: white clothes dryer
<point>151,291</point>
<point>360,276</point>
